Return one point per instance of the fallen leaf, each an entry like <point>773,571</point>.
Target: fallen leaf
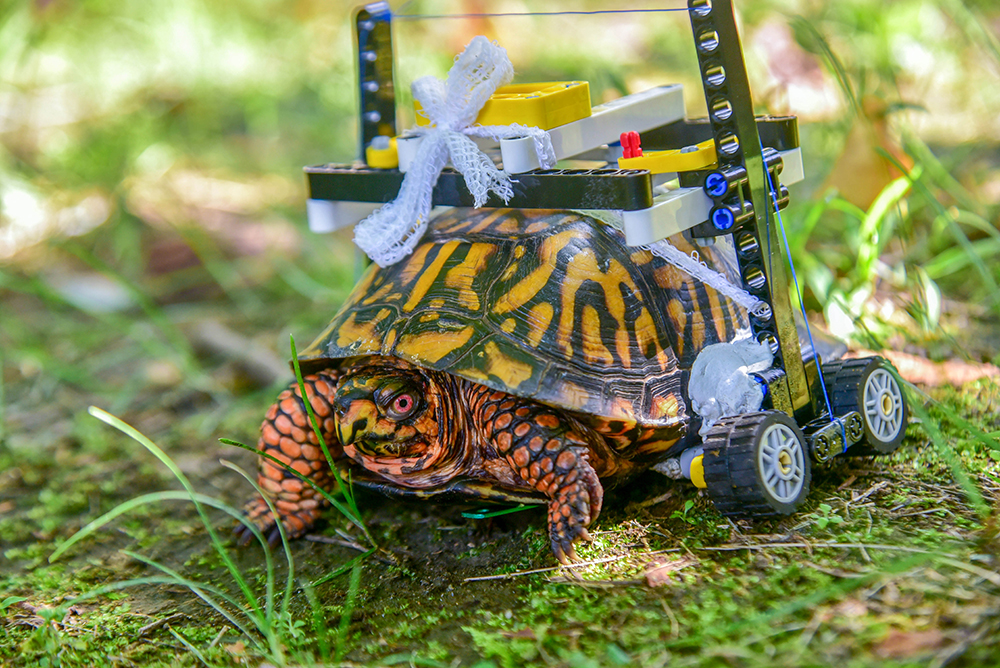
<point>847,483</point>
<point>660,571</point>
<point>851,607</point>
<point>925,372</point>
<point>236,649</point>
<point>862,170</point>
<point>904,644</point>
<point>523,634</point>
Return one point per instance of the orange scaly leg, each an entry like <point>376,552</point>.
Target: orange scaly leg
<point>287,435</point>
<point>544,449</point>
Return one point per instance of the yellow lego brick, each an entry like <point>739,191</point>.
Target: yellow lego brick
<point>677,160</point>
<point>698,472</point>
<point>382,158</point>
<point>544,105</point>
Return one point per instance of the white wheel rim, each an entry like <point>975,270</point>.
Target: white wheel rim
<point>781,461</point>
<point>883,406</point>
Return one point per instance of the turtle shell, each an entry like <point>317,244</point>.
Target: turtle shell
<point>548,305</point>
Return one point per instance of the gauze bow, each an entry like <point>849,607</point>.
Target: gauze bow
<point>390,233</point>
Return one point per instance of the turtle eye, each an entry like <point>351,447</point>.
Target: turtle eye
<point>401,406</point>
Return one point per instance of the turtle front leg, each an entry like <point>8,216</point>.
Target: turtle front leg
<point>546,450</point>
<point>287,435</point>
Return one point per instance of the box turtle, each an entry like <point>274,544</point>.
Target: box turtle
<point>516,355</point>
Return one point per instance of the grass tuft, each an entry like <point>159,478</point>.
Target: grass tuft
<point>265,627</point>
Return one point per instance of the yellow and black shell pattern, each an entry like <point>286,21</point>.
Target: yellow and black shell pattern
<point>548,305</point>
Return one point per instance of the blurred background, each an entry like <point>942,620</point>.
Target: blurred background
<point>154,255</point>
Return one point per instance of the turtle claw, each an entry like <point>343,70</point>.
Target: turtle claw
<point>565,555</point>
<point>242,534</point>
<point>564,549</point>
<point>561,556</point>
<point>565,530</point>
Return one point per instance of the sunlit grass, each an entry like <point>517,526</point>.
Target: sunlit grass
<point>265,626</point>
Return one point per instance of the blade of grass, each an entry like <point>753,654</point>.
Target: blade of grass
<point>956,231</point>
<point>140,438</point>
<point>11,600</point>
<point>930,425</point>
<point>873,233</point>
<point>151,580</point>
<point>954,260</point>
<point>939,174</point>
<point>347,512</point>
<point>117,586</point>
<point>131,504</point>
<point>976,222</point>
<point>319,623</point>
<point>800,235</point>
<point>348,492</point>
<point>159,497</point>
<point>303,283</point>
<point>343,569</point>
<point>202,591</point>
<point>345,617</point>
<point>191,648</point>
<point>987,439</point>
<point>974,27</point>
<point>284,544</point>
<point>852,210</point>
<point>801,23</point>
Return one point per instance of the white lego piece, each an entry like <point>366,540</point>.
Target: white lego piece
<point>327,215</point>
<point>672,212</point>
<point>638,112</point>
<point>683,208</point>
<point>518,155</point>
<point>406,148</point>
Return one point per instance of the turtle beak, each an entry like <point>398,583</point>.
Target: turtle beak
<point>360,427</point>
<point>355,418</point>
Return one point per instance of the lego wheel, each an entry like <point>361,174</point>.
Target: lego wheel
<point>756,465</point>
<point>869,385</point>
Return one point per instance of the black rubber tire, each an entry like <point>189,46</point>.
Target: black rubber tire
<point>846,383</point>
<point>733,464</point>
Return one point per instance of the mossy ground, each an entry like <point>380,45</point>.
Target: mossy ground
<point>888,564</point>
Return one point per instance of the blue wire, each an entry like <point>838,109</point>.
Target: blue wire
<point>798,292</point>
<point>418,17</point>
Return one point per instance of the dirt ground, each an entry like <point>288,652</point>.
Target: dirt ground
<point>892,562</point>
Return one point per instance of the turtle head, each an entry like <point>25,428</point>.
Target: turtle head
<point>389,416</point>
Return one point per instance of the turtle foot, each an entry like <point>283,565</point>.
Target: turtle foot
<point>569,516</point>
<point>257,513</point>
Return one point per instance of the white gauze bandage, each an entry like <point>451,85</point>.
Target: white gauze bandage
<point>390,233</point>
<point>699,270</point>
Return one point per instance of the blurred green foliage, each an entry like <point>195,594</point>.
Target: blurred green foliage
<point>101,100</point>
